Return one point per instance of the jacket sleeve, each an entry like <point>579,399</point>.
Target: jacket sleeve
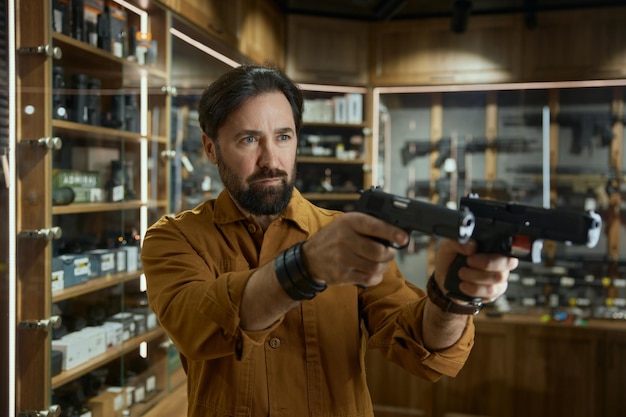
<point>198,309</point>
<point>393,313</point>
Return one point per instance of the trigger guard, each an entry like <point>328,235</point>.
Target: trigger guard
<point>535,251</point>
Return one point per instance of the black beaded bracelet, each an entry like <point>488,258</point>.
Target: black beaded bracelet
<point>446,304</point>
<point>293,275</point>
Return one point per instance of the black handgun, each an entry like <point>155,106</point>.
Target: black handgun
<point>414,215</point>
<point>518,231</point>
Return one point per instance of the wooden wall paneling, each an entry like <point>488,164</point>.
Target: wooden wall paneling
<point>263,32</point>
<point>220,18</point>
<point>576,45</point>
<point>34,203</point>
<point>171,4</point>
<point>485,385</point>
<point>428,52</point>
<point>327,51</point>
<point>614,364</point>
<point>394,391</point>
<point>557,371</point>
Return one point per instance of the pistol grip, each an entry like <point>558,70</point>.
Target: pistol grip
<point>452,281</point>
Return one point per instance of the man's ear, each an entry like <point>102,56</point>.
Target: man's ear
<point>209,148</point>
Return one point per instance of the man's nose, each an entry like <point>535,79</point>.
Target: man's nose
<point>268,153</point>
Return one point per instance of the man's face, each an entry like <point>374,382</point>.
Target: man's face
<point>255,152</point>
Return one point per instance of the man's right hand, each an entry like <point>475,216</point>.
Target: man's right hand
<point>349,251</point>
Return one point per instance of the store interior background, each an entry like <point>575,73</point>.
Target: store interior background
<point>407,116</point>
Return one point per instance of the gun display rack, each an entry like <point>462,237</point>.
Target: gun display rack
<point>334,147</point>
<point>585,132</point>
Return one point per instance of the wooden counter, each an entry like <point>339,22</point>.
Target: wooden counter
<point>519,367</point>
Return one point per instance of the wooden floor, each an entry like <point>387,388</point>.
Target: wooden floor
<point>174,405</point>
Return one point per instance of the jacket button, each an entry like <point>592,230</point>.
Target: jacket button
<point>274,343</point>
<point>251,228</point>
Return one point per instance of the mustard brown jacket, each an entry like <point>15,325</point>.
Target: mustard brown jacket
<point>308,363</point>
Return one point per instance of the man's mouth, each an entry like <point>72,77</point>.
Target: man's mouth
<point>266,180</point>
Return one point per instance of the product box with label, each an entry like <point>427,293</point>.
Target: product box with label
<point>128,322</point>
<point>114,333</point>
<point>73,349</point>
<point>81,346</point>
<point>355,108</point>
<point>75,178</point>
<point>85,184</point>
<point>76,269</point>
<point>56,362</point>
<point>87,195</point>
<point>341,109</point>
<point>120,260</point>
<point>140,323</point>
<point>150,317</point>
<point>102,262</point>
<point>151,383</point>
<point>107,404</point>
<point>57,281</point>
<point>94,337</point>
<point>132,258</point>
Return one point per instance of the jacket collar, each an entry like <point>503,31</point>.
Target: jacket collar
<point>226,211</point>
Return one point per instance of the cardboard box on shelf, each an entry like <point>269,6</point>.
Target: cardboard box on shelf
<point>76,268</point>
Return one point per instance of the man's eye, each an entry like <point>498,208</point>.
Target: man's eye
<point>283,138</point>
<point>249,139</point>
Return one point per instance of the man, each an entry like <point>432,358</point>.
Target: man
<point>271,300</point>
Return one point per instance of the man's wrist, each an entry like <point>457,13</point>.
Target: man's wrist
<point>446,304</point>
<point>293,275</point>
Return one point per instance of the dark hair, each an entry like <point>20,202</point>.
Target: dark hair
<point>228,92</point>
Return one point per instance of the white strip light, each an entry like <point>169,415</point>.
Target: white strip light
<point>333,88</point>
<point>546,156</point>
<point>199,45</point>
<point>143,152</point>
<point>503,86</point>
<point>12,305</point>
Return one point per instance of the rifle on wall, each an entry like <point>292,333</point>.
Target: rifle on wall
<point>415,148</point>
<point>497,189</point>
<point>585,127</point>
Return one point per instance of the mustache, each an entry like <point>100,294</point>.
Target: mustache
<point>267,173</point>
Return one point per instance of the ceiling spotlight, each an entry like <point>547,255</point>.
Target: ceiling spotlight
<point>460,15</point>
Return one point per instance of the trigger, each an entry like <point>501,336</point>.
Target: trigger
<point>520,246</point>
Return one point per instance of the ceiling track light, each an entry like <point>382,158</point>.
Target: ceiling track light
<point>460,15</point>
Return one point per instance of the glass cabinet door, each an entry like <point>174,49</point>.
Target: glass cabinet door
<point>558,146</point>
<point>93,175</point>
<point>196,62</point>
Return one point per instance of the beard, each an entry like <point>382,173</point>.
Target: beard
<point>257,199</point>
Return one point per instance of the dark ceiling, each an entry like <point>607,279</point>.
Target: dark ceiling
<point>384,10</point>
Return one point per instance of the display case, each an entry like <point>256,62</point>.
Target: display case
<point>197,61</point>
<point>443,144</point>
<point>333,162</point>
<point>91,141</point>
